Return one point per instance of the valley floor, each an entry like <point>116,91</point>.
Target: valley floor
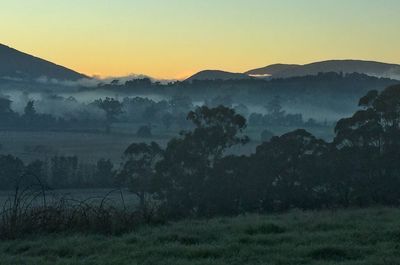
<point>359,236</point>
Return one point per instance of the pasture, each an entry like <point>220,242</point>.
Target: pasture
<point>95,145</point>
<point>88,146</point>
<point>347,237</point>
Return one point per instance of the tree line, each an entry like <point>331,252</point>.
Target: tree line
<point>193,176</point>
<point>100,114</point>
<point>328,90</point>
<point>58,113</point>
<point>58,172</point>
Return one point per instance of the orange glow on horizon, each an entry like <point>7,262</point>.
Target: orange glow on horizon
<point>175,39</point>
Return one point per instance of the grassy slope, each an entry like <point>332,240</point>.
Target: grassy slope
<point>344,237</point>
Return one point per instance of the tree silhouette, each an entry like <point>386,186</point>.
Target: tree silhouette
<point>29,110</point>
<point>287,164</point>
<point>189,160</point>
<point>5,106</point>
<point>373,135</point>
<point>274,107</point>
<point>139,168</point>
<point>112,108</point>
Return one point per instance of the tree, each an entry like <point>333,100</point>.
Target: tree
<point>29,110</point>
<point>274,107</point>
<point>216,129</point>
<point>138,169</point>
<point>29,113</point>
<point>5,106</point>
<point>150,112</point>
<point>112,108</point>
<point>189,160</point>
<point>373,133</point>
<point>64,171</point>
<point>287,166</point>
<point>225,191</point>
<point>377,124</point>
<point>7,115</point>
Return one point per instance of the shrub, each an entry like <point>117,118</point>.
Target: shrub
<point>23,215</point>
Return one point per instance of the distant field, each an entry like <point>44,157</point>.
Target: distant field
<point>88,147</point>
<point>92,146</point>
<point>348,237</point>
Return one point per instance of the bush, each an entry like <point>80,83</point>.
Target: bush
<point>23,215</point>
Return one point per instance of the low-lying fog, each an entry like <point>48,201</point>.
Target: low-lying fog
<point>63,104</point>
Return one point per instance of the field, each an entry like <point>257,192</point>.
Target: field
<point>89,147</point>
<point>366,236</point>
<point>92,146</point>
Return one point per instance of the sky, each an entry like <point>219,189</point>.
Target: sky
<point>176,38</point>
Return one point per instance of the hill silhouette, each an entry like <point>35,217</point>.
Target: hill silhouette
<point>271,70</point>
<point>217,75</point>
<point>17,65</point>
<point>371,68</point>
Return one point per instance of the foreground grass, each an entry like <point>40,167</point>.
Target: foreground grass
<point>370,236</point>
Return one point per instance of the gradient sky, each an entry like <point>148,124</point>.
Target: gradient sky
<point>175,38</point>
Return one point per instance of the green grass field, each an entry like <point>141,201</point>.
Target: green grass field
<point>368,236</point>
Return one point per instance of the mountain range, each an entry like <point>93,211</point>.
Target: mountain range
<point>16,66</point>
<point>370,68</point>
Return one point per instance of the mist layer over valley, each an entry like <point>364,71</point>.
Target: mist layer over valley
<point>314,102</point>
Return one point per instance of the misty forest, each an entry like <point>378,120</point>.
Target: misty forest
<point>218,168</point>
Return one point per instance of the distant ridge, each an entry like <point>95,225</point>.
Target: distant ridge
<point>372,68</point>
<point>271,70</point>
<point>17,65</point>
<point>217,75</point>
